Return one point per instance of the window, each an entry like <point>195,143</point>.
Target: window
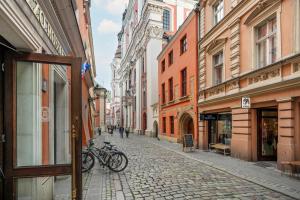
<point>163,66</point>
<point>145,99</point>
<point>183,82</point>
<point>170,89</point>
<point>171,58</point>
<point>166,20</point>
<point>172,124</point>
<point>183,45</point>
<point>218,68</point>
<point>143,65</point>
<point>218,10</point>
<point>266,40</point>
<point>163,95</point>
<point>164,124</point>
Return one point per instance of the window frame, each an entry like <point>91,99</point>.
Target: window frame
<point>163,65</point>
<point>170,58</point>
<point>218,65</point>
<point>163,93</point>
<point>267,40</point>
<point>216,11</point>
<point>164,18</point>
<point>183,82</point>
<point>172,125</point>
<point>183,44</point>
<point>171,89</point>
<point>164,125</point>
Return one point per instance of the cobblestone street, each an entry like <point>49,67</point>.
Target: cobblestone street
<point>155,172</point>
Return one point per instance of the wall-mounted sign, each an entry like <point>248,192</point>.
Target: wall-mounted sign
<point>245,102</point>
<point>208,116</point>
<point>45,114</point>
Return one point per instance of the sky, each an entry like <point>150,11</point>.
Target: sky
<point>106,16</point>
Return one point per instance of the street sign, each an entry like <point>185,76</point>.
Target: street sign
<point>246,102</point>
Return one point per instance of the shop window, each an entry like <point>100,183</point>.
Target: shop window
<point>184,82</point>
<point>163,66</point>
<point>166,20</point>
<point>218,11</point>
<point>266,39</point>
<point>171,89</point>
<point>220,129</point>
<point>171,58</point>
<point>218,68</point>
<point>163,95</point>
<point>183,45</point>
<point>164,124</point>
<point>172,124</point>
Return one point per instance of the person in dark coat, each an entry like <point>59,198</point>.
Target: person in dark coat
<point>127,132</point>
<point>121,131</point>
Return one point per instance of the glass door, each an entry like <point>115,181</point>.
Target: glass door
<point>42,127</point>
<point>267,134</point>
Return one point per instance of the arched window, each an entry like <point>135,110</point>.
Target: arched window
<point>166,20</point>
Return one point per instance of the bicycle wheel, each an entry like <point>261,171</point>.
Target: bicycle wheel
<point>88,161</point>
<point>117,162</point>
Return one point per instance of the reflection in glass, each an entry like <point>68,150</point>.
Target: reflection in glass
<point>43,110</point>
<point>44,188</point>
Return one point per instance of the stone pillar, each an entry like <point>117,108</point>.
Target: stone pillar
<point>285,146</point>
<point>241,134</point>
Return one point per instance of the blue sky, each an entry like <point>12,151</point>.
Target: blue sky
<point>106,23</point>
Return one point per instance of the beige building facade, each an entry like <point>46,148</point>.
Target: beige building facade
<point>249,78</point>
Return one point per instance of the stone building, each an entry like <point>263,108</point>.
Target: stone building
<point>115,85</point>
<point>145,25</point>
<point>249,78</point>
<point>177,80</point>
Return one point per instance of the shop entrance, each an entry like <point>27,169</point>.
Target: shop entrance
<point>267,134</point>
<point>42,126</point>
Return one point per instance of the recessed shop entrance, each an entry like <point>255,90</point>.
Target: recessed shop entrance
<point>42,126</point>
<point>267,134</point>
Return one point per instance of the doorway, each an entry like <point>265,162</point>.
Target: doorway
<point>43,131</point>
<point>155,129</point>
<point>186,126</point>
<point>267,134</point>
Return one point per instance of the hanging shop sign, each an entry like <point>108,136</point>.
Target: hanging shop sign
<point>245,102</point>
<point>39,14</point>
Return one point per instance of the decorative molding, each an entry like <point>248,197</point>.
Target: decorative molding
<point>215,44</point>
<point>235,48</point>
<point>264,75</point>
<point>261,6</point>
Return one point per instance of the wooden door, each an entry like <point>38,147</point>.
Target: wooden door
<point>36,164</point>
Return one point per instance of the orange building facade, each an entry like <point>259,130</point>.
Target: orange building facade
<point>177,81</point>
<point>249,78</point>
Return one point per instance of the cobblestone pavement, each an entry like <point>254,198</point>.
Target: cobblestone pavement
<point>155,172</point>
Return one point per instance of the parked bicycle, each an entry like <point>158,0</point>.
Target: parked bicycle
<point>108,156</point>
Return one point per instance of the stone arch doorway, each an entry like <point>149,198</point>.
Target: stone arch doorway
<point>186,126</point>
<point>155,129</point>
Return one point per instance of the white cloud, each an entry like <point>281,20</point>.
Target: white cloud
<point>97,2</point>
<point>116,7</point>
<point>107,26</point>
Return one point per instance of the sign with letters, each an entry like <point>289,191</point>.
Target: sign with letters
<point>246,102</point>
<point>188,141</point>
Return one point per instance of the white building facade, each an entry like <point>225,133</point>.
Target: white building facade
<point>145,25</point>
<point>115,85</point>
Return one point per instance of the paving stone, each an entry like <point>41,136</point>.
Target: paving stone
<point>157,172</point>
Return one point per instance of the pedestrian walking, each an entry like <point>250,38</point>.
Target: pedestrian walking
<point>121,130</point>
<point>99,130</point>
<point>127,132</point>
